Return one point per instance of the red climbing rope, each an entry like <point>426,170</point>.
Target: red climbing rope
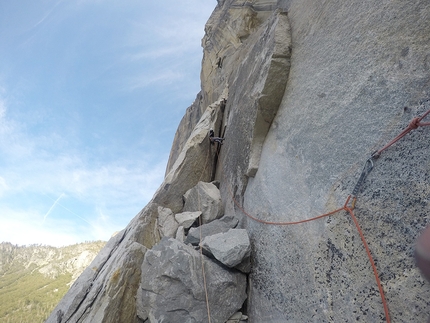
<point>369,255</point>
<point>281,223</point>
<point>414,124</point>
<point>360,232</point>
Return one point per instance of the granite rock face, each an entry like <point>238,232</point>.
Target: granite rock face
<point>106,290</point>
<point>303,92</point>
<point>189,121</point>
<point>172,287</point>
<point>194,162</point>
<point>358,74</point>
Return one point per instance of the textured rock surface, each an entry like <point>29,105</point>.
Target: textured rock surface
<point>204,197</point>
<point>106,290</point>
<point>193,163</point>
<point>355,66</point>
<point>224,224</point>
<point>180,234</point>
<point>186,219</point>
<point>186,126</point>
<point>237,318</point>
<point>167,224</point>
<point>251,71</point>
<point>172,286</point>
<point>230,248</point>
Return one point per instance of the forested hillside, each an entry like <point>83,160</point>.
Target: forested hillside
<point>33,279</point>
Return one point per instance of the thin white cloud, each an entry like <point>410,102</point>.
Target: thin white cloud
<point>109,182</point>
<point>45,164</point>
<point>47,14</point>
<point>3,186</point>
<point>169,44</point>
<point>2,109</point>
<point>12,143</point>
<point>173,37</point>
<point>90,197</point>
<point>162,78</point>
<point>153,53</point>
<point>25,227</point>
<point>53,205</point>
<point>67,209</point>
<point>36,165</point>
<point>116,199</point>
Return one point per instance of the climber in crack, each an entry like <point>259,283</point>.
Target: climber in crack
<point>214,139</point>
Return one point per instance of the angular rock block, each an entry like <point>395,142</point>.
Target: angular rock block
<point>180,234</point>
<point>224,224</point>
<point>167,225</point>
<point>230,248</point>
<point>204,197</point>
<point>172,288</point>
<point>186,219</point>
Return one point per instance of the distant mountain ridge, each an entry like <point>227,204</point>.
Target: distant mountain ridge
<point>34,278</point>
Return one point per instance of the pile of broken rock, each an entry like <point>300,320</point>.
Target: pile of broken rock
<point>200,266</point>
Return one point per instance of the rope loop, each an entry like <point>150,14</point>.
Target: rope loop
<point>415,123</point>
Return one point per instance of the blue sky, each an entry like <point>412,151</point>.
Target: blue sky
<point>91,94</point>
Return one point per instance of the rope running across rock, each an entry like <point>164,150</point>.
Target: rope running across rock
<point>414,124</point>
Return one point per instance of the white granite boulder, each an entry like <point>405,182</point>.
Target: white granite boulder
<point>230,248</point>
<point>204,197</point>
<point>224,224</point>
<point>186,219</point>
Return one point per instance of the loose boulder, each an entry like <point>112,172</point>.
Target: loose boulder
<point>172,288</point>
<point>204,197</point>
<point>230,248</point>
<point>186,219</point>
<point>224,224</point>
